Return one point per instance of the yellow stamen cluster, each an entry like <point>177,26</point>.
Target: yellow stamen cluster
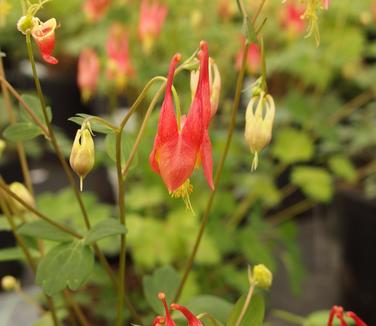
<point>183,192</point>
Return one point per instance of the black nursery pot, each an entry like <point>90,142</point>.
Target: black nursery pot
<point>357,222</point>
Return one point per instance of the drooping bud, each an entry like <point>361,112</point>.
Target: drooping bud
<point>259,124</point>
<point>44,36</point>
<point>262,276</point>
<point>192,319</point>
<point>83,154</point>
<point>27,23</point>
<point>9,283</point>
<point>21,191</point>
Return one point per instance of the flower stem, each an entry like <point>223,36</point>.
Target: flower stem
<point>12,119</point>
<point>64,164</point>
<point>246,304</point>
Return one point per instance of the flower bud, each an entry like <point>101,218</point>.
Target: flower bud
<point>3,144</point>
<point>82,155</point>
<point>259,124</point>
<point>27,23</point>
<point>262,276</point>
<point>21,191</point>
<point>9,283</point>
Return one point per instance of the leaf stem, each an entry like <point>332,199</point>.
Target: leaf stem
<point>246,304</point>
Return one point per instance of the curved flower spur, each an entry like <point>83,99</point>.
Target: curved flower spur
<point>180,146</point>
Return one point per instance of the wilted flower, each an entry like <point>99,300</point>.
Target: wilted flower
<point>83,154</point>
<point>88,73</point>
<point>259,123</point>
<point>338,312</point>
<point>95,9</point>
<point>253,57</point>
<point>44,36</point>
<point>152,17</point>
<point>21,191</point>
<point>119,66</point>
<point>178,148</point>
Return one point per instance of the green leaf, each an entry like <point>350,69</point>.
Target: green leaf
<point>14,253</point>
<point>316,183</point>
<point>103,229</point>
<point>164,279</point>
<point>254,315</point>
<point>95,125</point>
<point>21,131</point>
<point>34,103</point>
<point>67,264</point>
<point>342,167</point>
<point>44,230</point>
<point>214,306</point>
<point>292,146</point>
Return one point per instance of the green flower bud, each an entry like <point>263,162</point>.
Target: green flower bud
<point>21,191</point>
<point>259,124</point>
<point>262,276</point>
<point>83,154</point>
<point>9,283</point>
<point>27,23</point>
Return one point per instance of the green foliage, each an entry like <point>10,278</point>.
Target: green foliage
<point>34,104</point>
<point>292,146</point>
<point>214,306</point>
<point>45,231</point>
<point>254,315</point>
<point>63,266</point>
<point>110,143</point>
<point>315,182</point>
<point>94,125</point>
<point>319,318</point>
<point>21,131</point>
<point>15,253</point>
<point>342,167</point>
<point>164,279</point>
<point>103,229</point>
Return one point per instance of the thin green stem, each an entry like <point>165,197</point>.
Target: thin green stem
<point>12,119</point>
<point>76,308</point>
<point>246,304</point>
<point>290,212</point>
<point>121,203</point>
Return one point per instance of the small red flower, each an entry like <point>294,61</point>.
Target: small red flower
<point>177,151</point>
<point>88,73</point>
<point>152,17</point>
<point>292,19</point>
<point>338,312</point>
<point>253,57</point>
<point>192,319</point>
<point>119,66</point>
<point>95,9</point>
<point>44,36</point>
<point>168,319</point>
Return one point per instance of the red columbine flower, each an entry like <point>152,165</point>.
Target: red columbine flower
<point>253,57</point>
<point>177,149</point>
<point>95,9</point>
<point>337,311</point>
<point>158,321</point>
<point>192,319</point>
<point>292,19</point>
<point>44,36</point>
<point>168,319</point>
<point>88,73</point>
<point>119,66</point>
<point>152,17</point>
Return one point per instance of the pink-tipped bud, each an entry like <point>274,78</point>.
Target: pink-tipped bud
<point>83,154</point>
<point>192,319</point>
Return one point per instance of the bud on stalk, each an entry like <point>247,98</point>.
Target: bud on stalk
<point>21,191</point>
<point>82,155</point>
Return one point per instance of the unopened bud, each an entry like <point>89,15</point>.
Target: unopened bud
<point>21,191</point>
<point>3,144</point>
<point>83,155</point>
<point>262,276</point>
<point>259,124</point>
<point>27,23</point>
<point>9,283</point>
